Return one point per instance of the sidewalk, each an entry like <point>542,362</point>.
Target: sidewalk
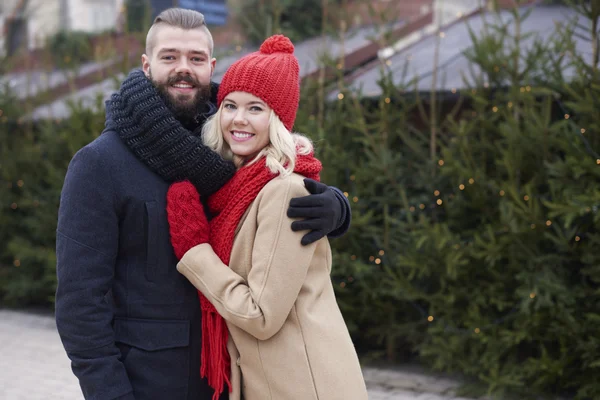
<point>34,366</point>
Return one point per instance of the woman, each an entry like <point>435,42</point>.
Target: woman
<point>271,325</point>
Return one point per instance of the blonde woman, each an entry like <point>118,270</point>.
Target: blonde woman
<point>271,326</point>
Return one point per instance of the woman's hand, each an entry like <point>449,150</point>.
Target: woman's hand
<point>188,224</point>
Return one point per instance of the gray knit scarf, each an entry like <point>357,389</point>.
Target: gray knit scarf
<point>146,125</point>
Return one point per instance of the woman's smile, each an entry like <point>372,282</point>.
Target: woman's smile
<point>241,136</point>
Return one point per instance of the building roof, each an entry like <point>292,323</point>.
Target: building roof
<point>454,66</point>
<point>309,54</point>
<point>86,97</point>
<point>33,82</point>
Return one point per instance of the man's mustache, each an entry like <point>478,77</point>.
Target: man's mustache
<point>182,78</point>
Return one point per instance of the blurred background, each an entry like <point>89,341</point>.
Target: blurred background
<point>464,132</point>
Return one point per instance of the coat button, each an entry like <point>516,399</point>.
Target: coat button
<point>238,361</point>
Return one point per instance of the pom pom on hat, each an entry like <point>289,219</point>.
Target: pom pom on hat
<point>271,74</point>
<point>277,44</point>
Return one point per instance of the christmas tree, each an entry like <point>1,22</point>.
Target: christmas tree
<point>35,156</point>
<point>475,227</point>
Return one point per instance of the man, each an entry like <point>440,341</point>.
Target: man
<point>128,320</point>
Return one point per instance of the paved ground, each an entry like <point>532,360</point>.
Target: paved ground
<point>34,366</point>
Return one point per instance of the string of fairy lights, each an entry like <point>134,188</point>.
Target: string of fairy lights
<point>382,255</point>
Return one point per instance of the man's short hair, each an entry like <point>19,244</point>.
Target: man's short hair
<point>178,18</point>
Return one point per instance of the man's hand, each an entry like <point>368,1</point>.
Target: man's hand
<point>188,224</point>
<point>321,211</point>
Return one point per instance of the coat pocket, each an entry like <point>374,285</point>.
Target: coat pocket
<point>156,356</point>
<point>151,230</point>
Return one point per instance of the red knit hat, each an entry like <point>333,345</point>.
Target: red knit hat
<point>272,74</point>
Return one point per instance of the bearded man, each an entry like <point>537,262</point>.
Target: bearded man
<point>129,322</point>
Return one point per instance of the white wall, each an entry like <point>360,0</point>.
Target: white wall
<point>93,15</point>
<point>2,17</point>
<point>446,12</point>
<point>43,18</point>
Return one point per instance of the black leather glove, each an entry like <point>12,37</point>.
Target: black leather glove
<point>321,211</point>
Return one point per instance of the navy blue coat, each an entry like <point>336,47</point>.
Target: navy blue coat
<point>128,320</point>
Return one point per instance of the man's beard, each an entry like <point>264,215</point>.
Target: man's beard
<point>184,109</point>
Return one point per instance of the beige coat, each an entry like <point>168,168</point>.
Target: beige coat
<point>288,340</point>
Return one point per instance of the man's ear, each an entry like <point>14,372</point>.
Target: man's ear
<point>213,63</point>
<point>146,65</point>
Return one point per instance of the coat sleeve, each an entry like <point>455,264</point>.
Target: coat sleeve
<point>280,263</point>
<point>86,249</point>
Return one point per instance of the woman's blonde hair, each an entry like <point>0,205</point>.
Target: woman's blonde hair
<point>280,152</point>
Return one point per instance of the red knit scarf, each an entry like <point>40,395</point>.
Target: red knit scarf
<point>229,205</point>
